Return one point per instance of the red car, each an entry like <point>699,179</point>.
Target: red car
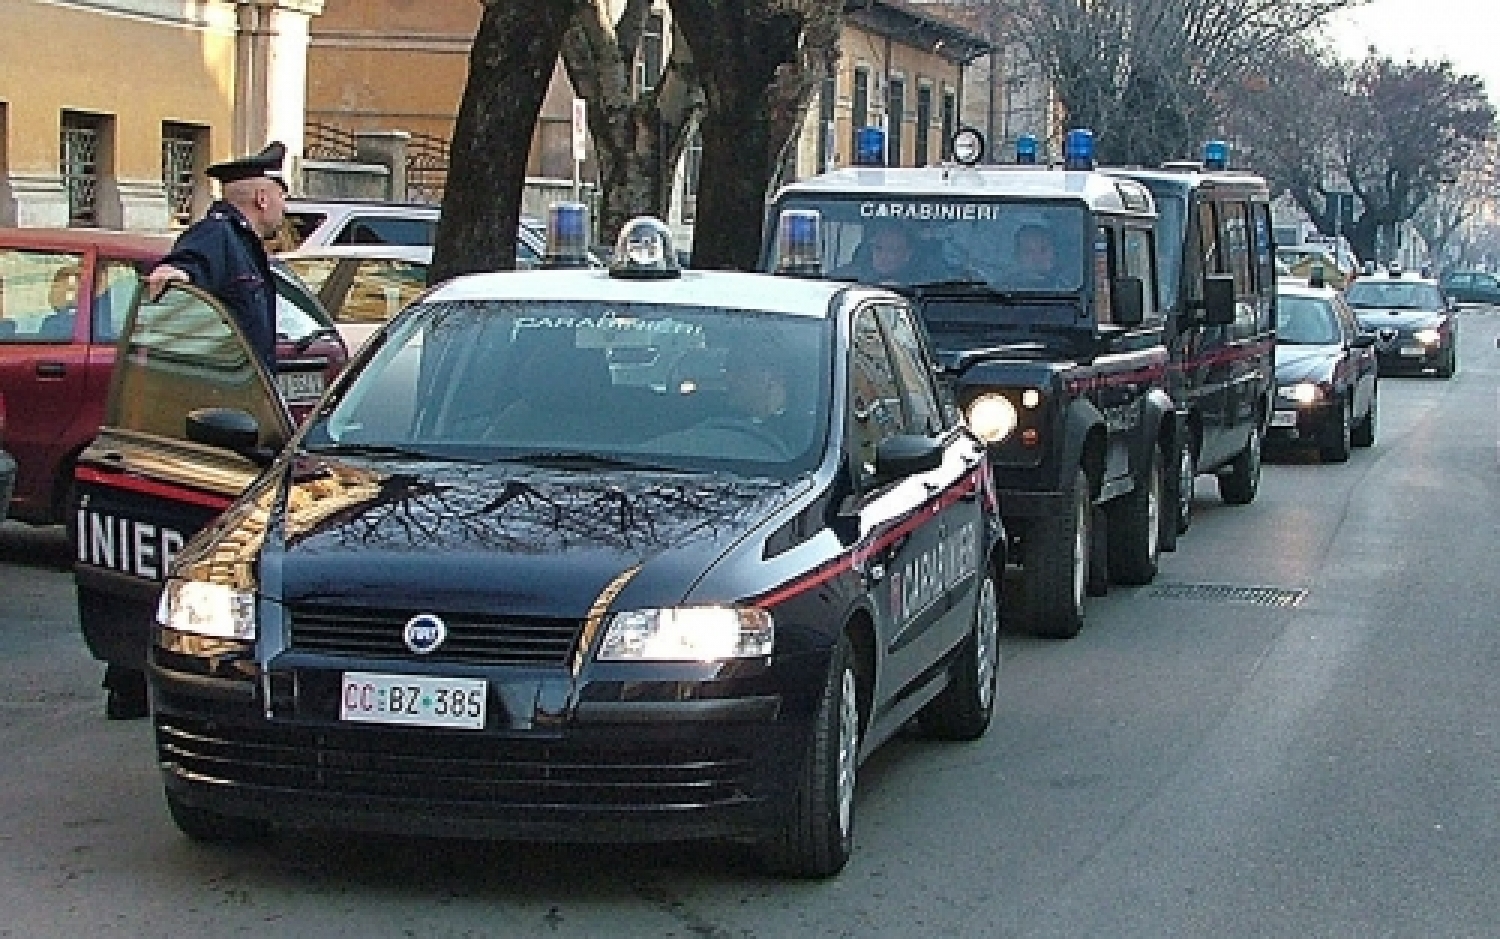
<point>64,294</point>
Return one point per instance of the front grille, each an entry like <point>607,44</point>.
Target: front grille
<point>437,768</point>
<point>474,639</point>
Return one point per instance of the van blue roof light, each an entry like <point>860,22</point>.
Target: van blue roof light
<point>1216,155</point>
<point>645,250</point>
<point>799,243</point>
<point>1026,149</point>
<point>567,235</point>
<point>869,147</point>
<point>1078,150</point>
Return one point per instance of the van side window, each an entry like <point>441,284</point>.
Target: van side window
<point>1104,273</point>
<point>1139,256</point>
<point>1234,241</point>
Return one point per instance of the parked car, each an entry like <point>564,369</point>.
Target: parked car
<point>362,286</point>
<point>510,593</point>
<point>1471,286</point>
<point>321,223</point>
<point>63,295</point>
<point>1413,321</point>
<point>1326,374</point>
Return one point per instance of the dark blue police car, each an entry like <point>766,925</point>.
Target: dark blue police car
<point>639,554</point>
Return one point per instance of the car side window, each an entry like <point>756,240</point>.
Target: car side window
<point>923,404</point>
<point>115,287</point>
<point>375,230</point>
<point>876,409</point>
<point>376,289</point>
<point>38,296</point>
<point>180,354</point>
<point>1139,256</point>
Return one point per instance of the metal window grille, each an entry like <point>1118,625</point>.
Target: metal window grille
<point>895,117</point>
<point>950,122</point>
<point>859,109</point>
<point>924,124</point>
<point>179,152</point>
<point>426,168</point>
<point>80,167</point>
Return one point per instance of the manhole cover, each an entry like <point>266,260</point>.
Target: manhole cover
<point>1225,593</point>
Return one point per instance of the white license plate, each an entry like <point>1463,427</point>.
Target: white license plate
<point>1284,419</point>
<point>1414,351</point>
<point>297,385</point>
<point>420,700</point>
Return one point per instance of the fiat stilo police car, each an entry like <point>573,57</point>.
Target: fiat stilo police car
<point>589,555</point>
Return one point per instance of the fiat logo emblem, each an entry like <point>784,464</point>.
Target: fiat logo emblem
<point>424,633</point>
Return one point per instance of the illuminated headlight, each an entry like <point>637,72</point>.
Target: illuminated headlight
<point>992,418</point>
<point>1428,337</point>
<point>1304,392</point>
<point>205,609</point>
<point>689,634</point>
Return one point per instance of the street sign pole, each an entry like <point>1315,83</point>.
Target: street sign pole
<point>580,143</point>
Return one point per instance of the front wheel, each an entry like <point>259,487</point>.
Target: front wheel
<point>1134,529</point>
<point>1187,478</point>
<point>1240,483</point>
<point>963,710</point>
<point>817,833</point>
<point>1335,447</point>
<point>1364,432</point>
<point>1057,565</point>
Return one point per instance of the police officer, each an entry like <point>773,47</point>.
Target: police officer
<point>224,254</point>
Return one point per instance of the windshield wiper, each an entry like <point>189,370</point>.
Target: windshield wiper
<point>322,332</point>
<point>370,449</point>
<point>582,459</point>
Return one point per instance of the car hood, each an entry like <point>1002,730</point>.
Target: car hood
<point>497,537</point>
<point>1305,363</point>
<point>1376,317</point>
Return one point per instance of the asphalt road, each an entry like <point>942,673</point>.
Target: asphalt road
<point>1317,758</point>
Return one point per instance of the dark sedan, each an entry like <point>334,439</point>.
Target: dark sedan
<point>1413,322</point>
<point>1472,287</point>
<point>1326,385</point>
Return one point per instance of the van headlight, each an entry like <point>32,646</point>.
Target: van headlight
<point>205,609</point>
<point>1428,337</point>
<point>1304,392</point>
<point>688,634</point>
<point>991,417</point>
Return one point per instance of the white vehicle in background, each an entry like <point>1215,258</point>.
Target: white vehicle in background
<point>362,285</point>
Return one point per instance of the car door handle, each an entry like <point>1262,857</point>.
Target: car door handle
<point>51,370</point>
<point>111,462</point>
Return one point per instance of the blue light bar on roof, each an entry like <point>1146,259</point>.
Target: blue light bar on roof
<point>567,235</point>
<point>1026,147</point>
<point>1216,155</point>
<point>869,147</point>
<point>1078,150</point>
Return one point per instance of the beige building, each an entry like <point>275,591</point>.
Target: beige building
<point>118,137</point>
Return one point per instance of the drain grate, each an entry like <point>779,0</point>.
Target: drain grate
<point>1224,593</point>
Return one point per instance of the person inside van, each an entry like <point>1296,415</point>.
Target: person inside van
<point>1035,262</point>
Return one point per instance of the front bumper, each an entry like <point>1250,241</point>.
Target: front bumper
<point>667,756</point>
<point>1303,424</point>
<point>1410,356</point>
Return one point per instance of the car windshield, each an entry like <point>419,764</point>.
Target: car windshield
<point>1306,321</point>
<point>911,241</point>
<point>559,383</point>
<point>1393,295</point>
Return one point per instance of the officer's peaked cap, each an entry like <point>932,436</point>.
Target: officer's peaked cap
<point>265,163</point>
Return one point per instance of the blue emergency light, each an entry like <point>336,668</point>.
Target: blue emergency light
<point>1026,146</point>
<point>1216,155</point>
<point>869,147</point>
<point>645,250</point>
<point>567,236</point>
<point>1078,150</point>
<point>799,243</point>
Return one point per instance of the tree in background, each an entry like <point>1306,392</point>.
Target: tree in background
<point>1443,220</point>
<point>510,66</point>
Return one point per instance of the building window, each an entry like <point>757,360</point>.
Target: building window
<point>896,117</point>
<point>692,160</point>
<point>826,101</point>
<point>950,121</point>
<point>649,63</point>
<point>79,165</point>
<point>924,124</point>
<point>181,151</point>
<point>859,108</point>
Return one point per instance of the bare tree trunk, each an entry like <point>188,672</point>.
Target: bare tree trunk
<point>510,67</point>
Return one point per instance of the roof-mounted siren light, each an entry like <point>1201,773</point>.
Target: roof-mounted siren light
<point>1078,149</point>
<point>1216,155</point>
<point>645,250</point>
<point>567,236</point>
<point>1026,148</point>
<point>967,146</point>
<point>799,243</point>
<point>869,147</point>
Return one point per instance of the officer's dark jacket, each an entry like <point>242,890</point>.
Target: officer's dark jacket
<point>223,255</point>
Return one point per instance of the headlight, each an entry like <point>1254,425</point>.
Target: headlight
<point>1304,392</point>
<point>205,609</point>
<point>991,417</point>
<point>1428,337</point>
<point>689,634</point>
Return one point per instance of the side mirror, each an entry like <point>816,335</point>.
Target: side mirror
<point>1128,301</point>
<point>228,429</point>
<point>1218,299</point>
<point>1363,340</point>
<point>905,455</point>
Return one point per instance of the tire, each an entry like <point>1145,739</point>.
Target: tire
<point>1364,432</point>
<point>962,710</point>
<point>817,831</point>
<point>1134,529</point>
<point>126,696</point>
<point>1187,479</point>
<point>1239,485</point>
<point>1335,445</point>
<point>207,827</point>
<point>1450,363</point>
<point>1057,565</point>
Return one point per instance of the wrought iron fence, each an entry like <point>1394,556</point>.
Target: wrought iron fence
<point>426,168</point>
<point>80,167</point>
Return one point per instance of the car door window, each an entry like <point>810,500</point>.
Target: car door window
<point>1138,256</point>
<point>38,295</point>
<point>181,354</point>
<point>115,287</point>
<point>923,406</point>
<point>877,411</point>
<point>374,230</point>
<point>374,289</point>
